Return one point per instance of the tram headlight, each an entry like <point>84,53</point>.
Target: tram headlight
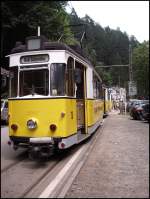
<point>31,124</point>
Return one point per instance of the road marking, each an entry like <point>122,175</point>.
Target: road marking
<point>60,175</point>
<point>70,180</point>
<point>75,172</point>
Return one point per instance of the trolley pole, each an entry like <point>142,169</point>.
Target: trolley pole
<point>132,84</point>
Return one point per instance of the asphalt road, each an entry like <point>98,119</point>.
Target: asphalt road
<point>8,155</point>
<point>118,166</point>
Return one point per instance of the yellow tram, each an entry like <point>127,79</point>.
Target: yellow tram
<point>56,96</point>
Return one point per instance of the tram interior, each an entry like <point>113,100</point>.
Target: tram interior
<point>79,80</point>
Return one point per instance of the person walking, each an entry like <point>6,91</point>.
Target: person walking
<point>121,106</point>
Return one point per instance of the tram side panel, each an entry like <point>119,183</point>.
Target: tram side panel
<point>95,111</point>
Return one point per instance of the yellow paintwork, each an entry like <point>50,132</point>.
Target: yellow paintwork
<point>48,111</point>
<point>95,109</point>
<point>108,105</point>
<point>45,112</point>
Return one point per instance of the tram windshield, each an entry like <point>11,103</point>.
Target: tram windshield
<point>34,82</point>
<point>13,81</point>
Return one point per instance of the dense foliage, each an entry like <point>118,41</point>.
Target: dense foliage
<point>141,68</point>
<point>103,46</point>
<point>21,19</point>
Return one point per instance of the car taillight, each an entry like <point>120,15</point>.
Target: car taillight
<point>139,109</point>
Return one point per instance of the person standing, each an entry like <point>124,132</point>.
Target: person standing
<point>121,106</point>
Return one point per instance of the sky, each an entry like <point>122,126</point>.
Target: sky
<point>131,17</point>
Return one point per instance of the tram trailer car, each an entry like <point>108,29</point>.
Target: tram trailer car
<point>56,97</point>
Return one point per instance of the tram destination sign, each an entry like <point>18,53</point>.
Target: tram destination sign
<point>132,88</point>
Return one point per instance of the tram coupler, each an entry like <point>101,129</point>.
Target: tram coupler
<point>37,152</point>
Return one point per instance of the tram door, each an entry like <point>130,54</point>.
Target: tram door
<point>80,96</point>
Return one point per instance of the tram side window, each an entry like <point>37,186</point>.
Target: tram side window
<point>79,80</point>
<point>34,82</point>
<point>97,88</point>
<point>13,81</point>
<point>58,79</point>
<point>94,86</point>
<point>100,91</point>
<point>70,77</point>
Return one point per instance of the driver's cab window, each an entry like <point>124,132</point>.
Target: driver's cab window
<point>58,79</point>
<point>70,77</point>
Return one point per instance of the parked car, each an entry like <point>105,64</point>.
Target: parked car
<point>130,103</point>
<point>4,110</point>
<point>145,112</point>
<point>136,109</point>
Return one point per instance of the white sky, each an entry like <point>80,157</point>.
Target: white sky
<point>130,16</point>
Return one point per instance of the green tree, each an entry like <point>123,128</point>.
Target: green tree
<point>21,19</point>
<point>141,68</point>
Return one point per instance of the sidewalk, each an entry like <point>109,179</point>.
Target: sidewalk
<point>118,165</point>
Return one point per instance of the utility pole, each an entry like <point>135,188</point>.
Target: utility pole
<point>132,84</point>
<point>130,64</point>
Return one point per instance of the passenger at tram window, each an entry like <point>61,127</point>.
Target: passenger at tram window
<point>54,91</point>
<point>25,90</point>
<point>79,83</point>
<point>79,91</point>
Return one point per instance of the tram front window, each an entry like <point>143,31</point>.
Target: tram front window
<point>58,79</point>
<point>34,82</point>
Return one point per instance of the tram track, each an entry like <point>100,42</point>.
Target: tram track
<point>62,160</point>
<point>27,174</point>
<point>20,158</point>
<point>57,182</point>
<point>39,179</point>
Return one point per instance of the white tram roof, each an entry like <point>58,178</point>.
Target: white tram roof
<point>49,47</point>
